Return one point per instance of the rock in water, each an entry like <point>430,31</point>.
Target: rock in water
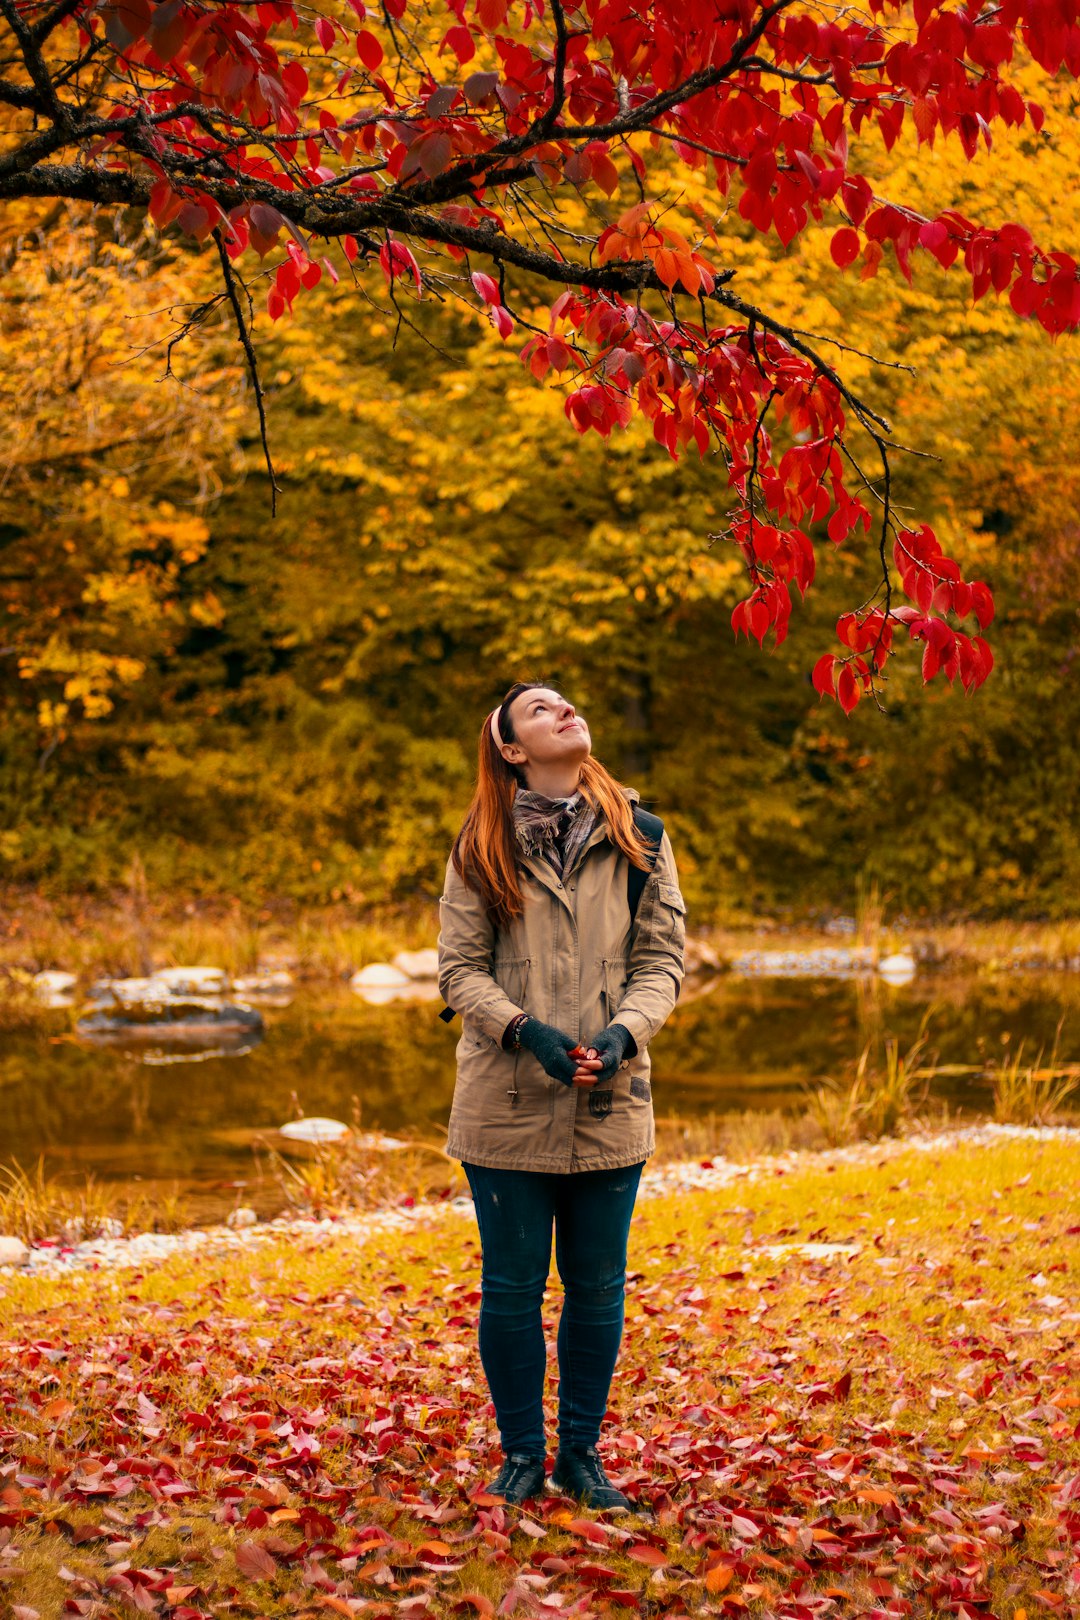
<point>898,968</point>
<point>274,988</point>
<point>381,982</point>
<point>193,981</point>
<point>315,1132</point>
<point>149,1011</point>
<point>379,976</point>
<point>822,963</point>
<point>54,988</point>
<point>418,964</point>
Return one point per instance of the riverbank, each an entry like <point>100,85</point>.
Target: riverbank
<point>848,1389</point>
<point>128,935</point>
<point>54,1257</point>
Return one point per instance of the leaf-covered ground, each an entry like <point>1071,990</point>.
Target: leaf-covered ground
<point>888,1428</point>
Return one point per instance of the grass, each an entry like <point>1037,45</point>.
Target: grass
<point>886,1432</point>
<point>34,1206</point>
<point>882,1098</point>
<point>338,1180</point>
<point>1032,1093</point>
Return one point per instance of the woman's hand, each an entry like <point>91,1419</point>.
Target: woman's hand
<point>588,1065</point>
<point>556,1052</point>
<point>610,1047</point>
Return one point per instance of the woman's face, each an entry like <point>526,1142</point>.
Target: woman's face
<point>547,730</point>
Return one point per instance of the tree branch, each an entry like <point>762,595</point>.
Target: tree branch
<point>35,65</point>
<point>253,364</point>
<point>463,175</point>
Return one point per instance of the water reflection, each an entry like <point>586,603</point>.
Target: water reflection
<point>752,1043</point>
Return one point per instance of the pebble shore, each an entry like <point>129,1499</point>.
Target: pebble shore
<point>659,1180</point>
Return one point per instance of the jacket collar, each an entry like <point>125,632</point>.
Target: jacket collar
<point>545,872</point>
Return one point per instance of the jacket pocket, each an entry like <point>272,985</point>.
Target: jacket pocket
<point>511,974</point>
<point>615,970</point>
<point>671,908</point>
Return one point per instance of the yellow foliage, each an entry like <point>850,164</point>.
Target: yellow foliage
<point>90,437</point>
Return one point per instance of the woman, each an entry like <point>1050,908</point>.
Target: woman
<point>560,991</point>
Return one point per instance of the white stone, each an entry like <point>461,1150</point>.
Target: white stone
<point>418,964</point>
<point>898,968</point>
<point>13,1252</point>
<point>242,1216</point>
<point>379,995</point>
<point>379,976</point>
<point>264,984</point>
<point>193,981</point>
<point>824,963</point>
<point>315,1130</point>
<point>54,983</point>
<point>132,992</point>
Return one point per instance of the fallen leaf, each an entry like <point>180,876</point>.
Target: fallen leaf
<point>254,1561</point>
<point>642,1553</point>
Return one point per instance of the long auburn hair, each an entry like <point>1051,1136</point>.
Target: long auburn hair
<point>485,852</point>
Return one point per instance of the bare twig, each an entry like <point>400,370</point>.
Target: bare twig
<point>244,338</point>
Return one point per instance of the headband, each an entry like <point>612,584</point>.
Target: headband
<point>494,721</point>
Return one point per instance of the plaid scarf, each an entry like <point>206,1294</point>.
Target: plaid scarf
<point>555,829</point>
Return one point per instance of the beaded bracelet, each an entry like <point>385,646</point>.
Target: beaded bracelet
<point>512,1033</point>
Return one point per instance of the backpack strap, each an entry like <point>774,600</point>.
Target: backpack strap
<point>651,829</point>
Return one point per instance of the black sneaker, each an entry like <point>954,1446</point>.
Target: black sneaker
<point>519,1478</point>
<point>581,1474</point>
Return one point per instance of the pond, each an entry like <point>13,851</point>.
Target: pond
<point>733,1043</point>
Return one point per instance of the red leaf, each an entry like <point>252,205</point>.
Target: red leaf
<point>824,676</point>
<point>254,1561</point>
<point>478,86</point>
<point>589,1529</point>
<point>847,691</point>
<point>396,259</point>
<point>982,602</point>
<point>845,246</point>
<point>642,1553</point>
<point>369,50</point>
<point>485,286</point>
<point>502,320</point>
<point>461,43</point>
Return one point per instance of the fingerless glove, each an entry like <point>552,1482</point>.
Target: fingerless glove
<point>550,1047</point>
<point>612,1045</point>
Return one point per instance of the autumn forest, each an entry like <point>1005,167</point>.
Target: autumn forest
<point>255,704</point>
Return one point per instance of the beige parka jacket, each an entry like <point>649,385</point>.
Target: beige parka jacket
<point>572,960</point>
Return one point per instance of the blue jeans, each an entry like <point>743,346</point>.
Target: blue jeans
<point>591,1211</point>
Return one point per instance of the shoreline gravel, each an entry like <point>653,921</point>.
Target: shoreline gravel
<point>659,1180</point>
